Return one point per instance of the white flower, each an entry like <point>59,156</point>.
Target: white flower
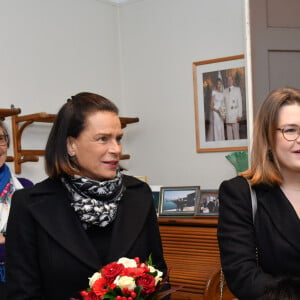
<point>127,262</point>
<point>222,112</point>
<point>158,277</point>
<point>125,281</point>
<point>95,277</point>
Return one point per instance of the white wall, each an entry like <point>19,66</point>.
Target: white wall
<point>160,40</point>
<point>50,50</point>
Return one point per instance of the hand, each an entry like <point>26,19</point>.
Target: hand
<point>2,238</point>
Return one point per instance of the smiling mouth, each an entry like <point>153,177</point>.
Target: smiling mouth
<point>112,162</point>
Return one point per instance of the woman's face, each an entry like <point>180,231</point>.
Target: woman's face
<point>219,85</point>
<point>288,152</point>
<point>98,148</point>
<point>3,150</point>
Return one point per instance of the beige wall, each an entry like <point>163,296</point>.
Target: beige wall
<point>51,50</point>
<point>160,40</point>
<point>138,54</point>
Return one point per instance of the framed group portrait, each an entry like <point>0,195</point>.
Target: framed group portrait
<point>220,104</point>
<point>178,201</point>
<point>208,203</point>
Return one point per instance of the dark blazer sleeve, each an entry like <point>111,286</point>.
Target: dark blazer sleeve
<point>148,240</point>
<point>28,280</point>
<point>155,243</point>
<point>236,236</point>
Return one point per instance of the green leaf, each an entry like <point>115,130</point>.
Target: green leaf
<point>150,262</point>
<point>108,296</point>
<point>138,291</point>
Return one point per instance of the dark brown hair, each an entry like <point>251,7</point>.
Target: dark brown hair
<point>70,122</point>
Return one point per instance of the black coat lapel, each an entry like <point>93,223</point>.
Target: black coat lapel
<point>282,214</point>
<point>128,224</point>
<point>52,210</point>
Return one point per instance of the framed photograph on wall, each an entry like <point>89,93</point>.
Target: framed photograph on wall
<point>208,203</point>
<point>155,193</point>
<point>178,201</point>
<point>220,104</point>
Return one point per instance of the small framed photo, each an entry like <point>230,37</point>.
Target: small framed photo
<point>155,193</point>
<point>142,178</point>
<point>178,201</point>
<point>208,203</point>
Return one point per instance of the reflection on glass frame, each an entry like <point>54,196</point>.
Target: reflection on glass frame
<point>208,203</point>
<point>155,193</point>
<point>178,201</point>
<point>220,109</point>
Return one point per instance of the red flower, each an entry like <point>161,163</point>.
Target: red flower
<point>147,282</point>
<point>117,282</point>
<point>111,271</point>
<point>133,272</point>
<point>89,296</point>
<point>100,287</point>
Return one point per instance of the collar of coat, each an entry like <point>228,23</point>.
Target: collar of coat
<point>50,207</point>
<point>280,211</point>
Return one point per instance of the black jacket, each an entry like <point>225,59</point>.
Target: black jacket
<point>49,255</point>
<point>275,234</point>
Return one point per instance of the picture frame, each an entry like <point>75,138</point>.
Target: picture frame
<point>208,203</point>
<point>178,201</point>
<point>142,178</point>
<point>155,194</point>
<point>220,125</point>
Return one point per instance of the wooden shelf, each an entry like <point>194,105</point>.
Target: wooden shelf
<point>20,123</point>
<point>7,112</point>
<point>125,121</point>
<point>189,221</point>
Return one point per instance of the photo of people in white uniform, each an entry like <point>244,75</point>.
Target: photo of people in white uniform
<point>225,105</point>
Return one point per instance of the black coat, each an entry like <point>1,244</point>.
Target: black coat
<point>49,255</point>
<point>275,233</point>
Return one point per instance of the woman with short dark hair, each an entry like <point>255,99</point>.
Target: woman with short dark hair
<point>86,214</point>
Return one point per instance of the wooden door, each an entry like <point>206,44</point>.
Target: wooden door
<point>275,46</point>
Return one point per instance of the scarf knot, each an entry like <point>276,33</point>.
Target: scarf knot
<point>95,202</point>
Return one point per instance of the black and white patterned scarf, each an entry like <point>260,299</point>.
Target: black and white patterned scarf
<point>95,202</point>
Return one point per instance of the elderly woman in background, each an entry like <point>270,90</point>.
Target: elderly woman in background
<point>8,184</point>
<point>86,214</point>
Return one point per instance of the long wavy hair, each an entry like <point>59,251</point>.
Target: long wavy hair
<point>264,167</point>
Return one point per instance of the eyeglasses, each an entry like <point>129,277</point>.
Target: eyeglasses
<point>290,132</point>
<point>3,139</point>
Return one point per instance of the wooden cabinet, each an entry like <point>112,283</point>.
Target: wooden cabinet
<point>192,254</point>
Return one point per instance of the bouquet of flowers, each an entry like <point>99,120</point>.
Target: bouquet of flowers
<point>222,111</point>
<point>126,279</point>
